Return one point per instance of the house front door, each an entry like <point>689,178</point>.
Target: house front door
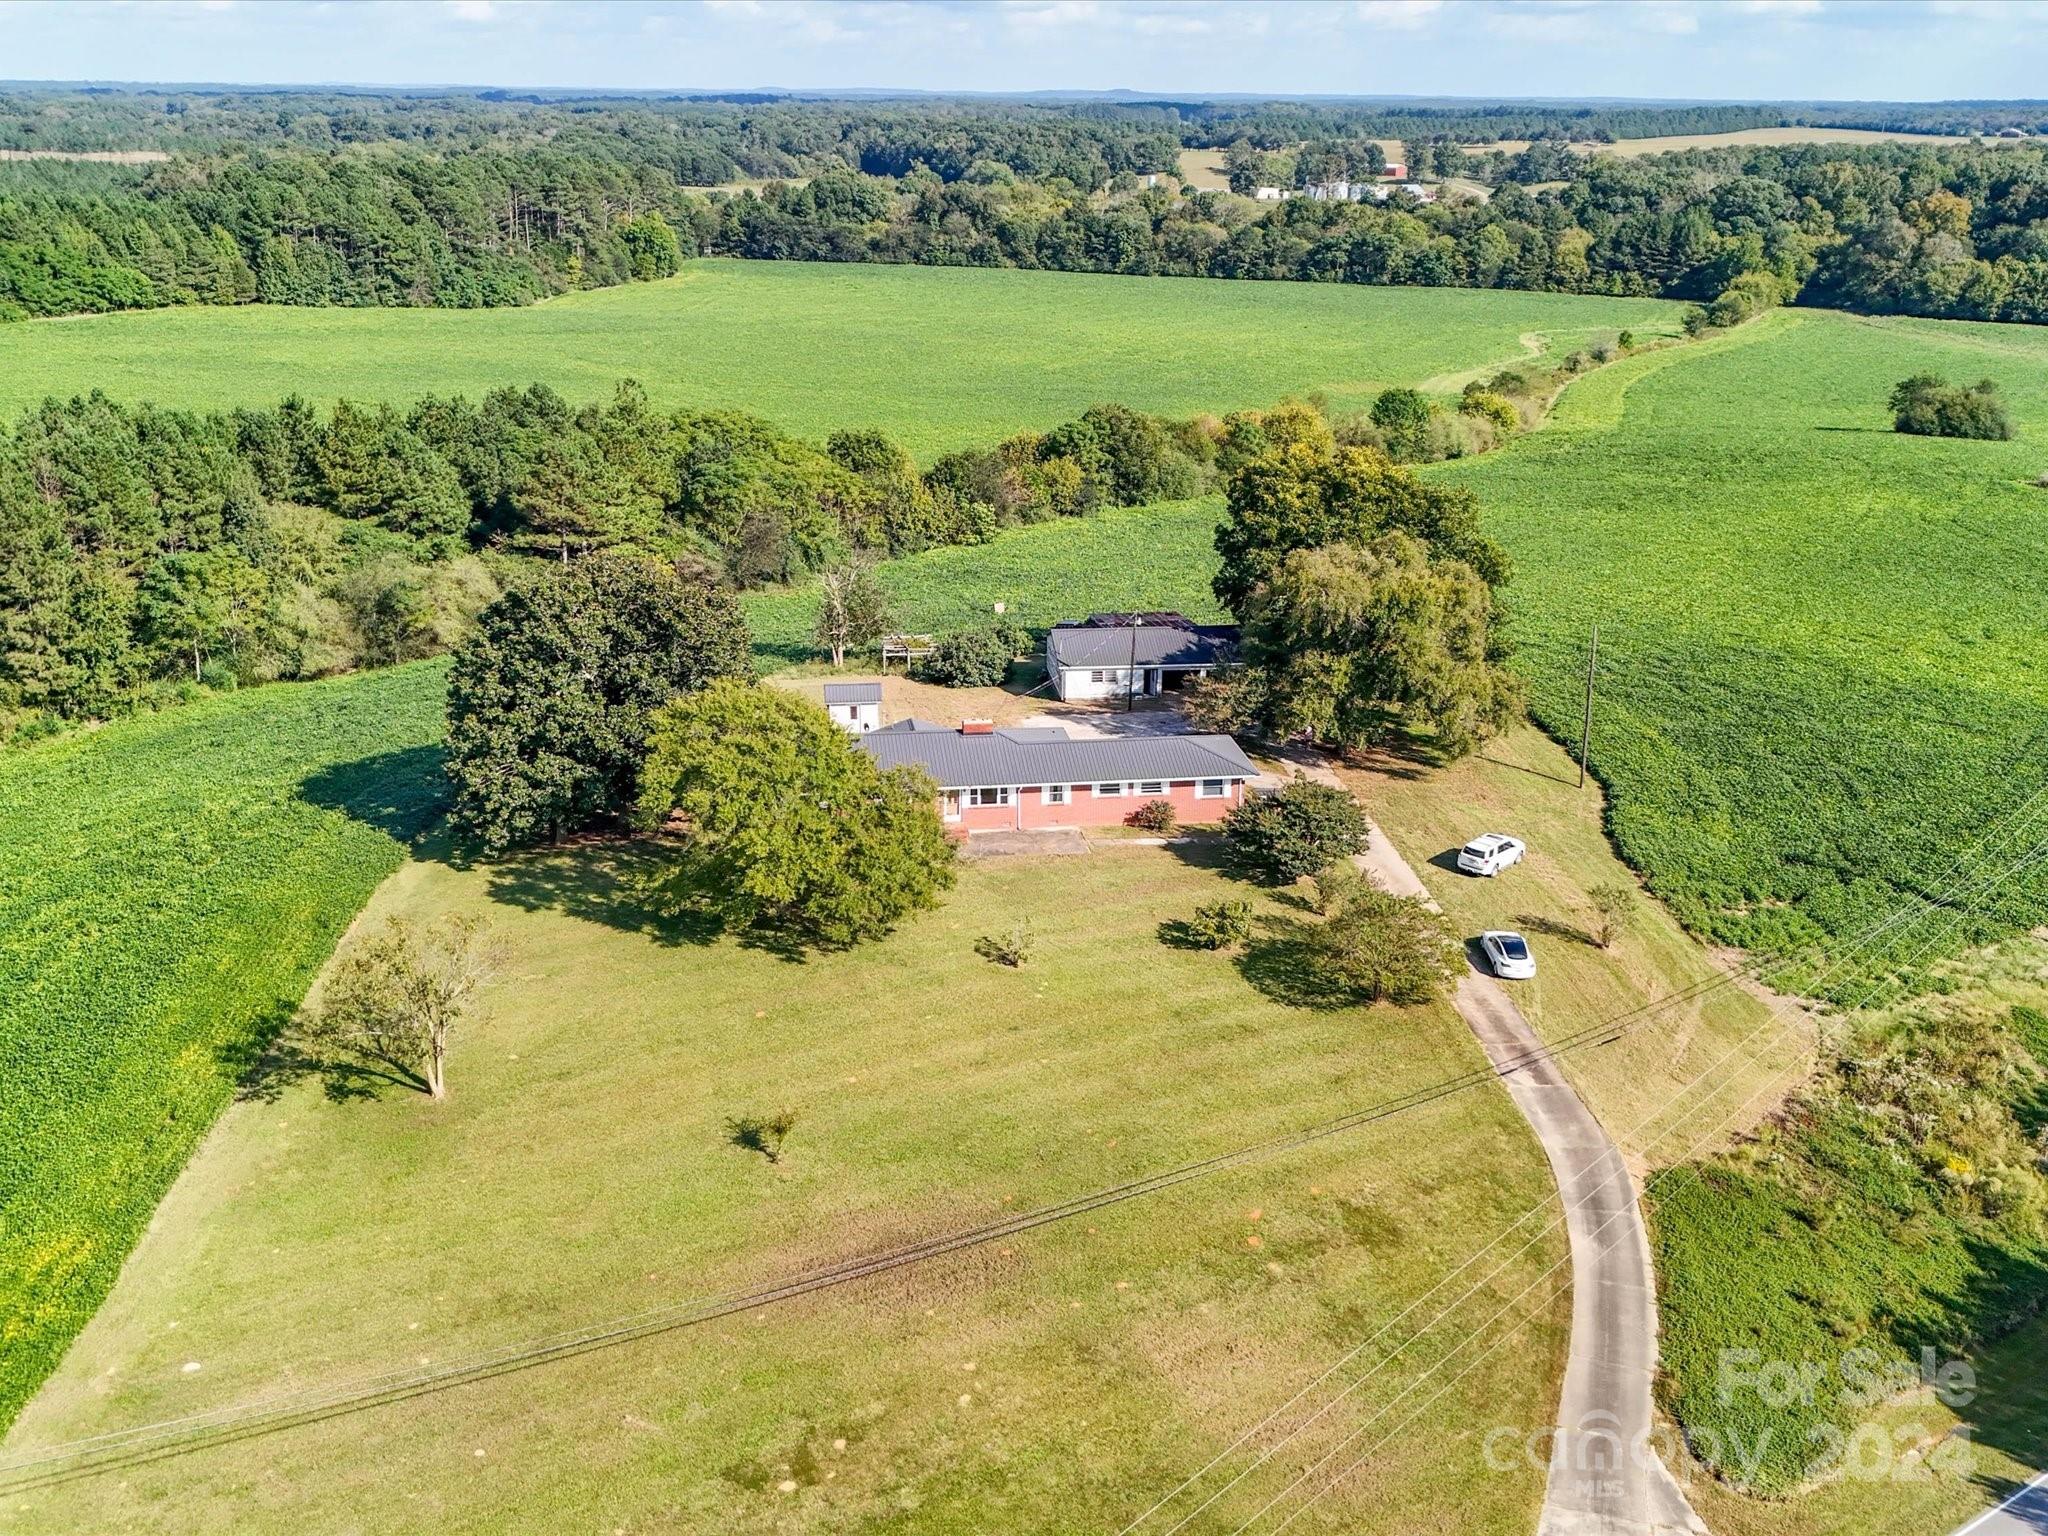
<point>949,804</point>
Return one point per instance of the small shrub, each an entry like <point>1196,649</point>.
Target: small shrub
<point>1625,340</point>
<point>1614,907</point>
<point>1283,836</point>
<point>1220,925</point>
<point>970,658</point>
<point>1153,816</point>
<point>1495,408</point>
<point>1336,883</point>
<point>1927,405</point>
<point>1013,949</point>
<point>762,1134</point>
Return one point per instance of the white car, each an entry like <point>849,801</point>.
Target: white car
<point>1490,853</point>
<point>1508,954</point>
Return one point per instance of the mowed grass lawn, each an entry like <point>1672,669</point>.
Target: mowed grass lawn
<point>1696,1055</point>
<point>1060,1380</point>
<point>168,887</point>
<point>942,357</point>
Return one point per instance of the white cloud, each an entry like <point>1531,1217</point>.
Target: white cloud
<point>1397,15</point>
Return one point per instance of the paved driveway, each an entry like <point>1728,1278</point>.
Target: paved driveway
<point>1606,1478</point>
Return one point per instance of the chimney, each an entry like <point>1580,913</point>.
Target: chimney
<point>977,727</point>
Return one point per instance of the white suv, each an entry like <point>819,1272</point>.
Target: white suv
<point>1490,853</point>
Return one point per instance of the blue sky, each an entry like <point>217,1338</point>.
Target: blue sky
<point>1868,49</point>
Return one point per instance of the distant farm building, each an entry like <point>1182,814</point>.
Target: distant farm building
<point>854,707</point>
<point>1126,655</point>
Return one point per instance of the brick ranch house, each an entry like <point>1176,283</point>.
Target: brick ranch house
<point>1023,777</point>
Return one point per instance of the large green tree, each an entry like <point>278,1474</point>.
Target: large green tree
<point>787,824</point>
<point>1299,497</point>
<point>549,700</point>
<point>1350,638</point>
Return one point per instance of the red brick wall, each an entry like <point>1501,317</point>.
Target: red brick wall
<point>1085,809</point>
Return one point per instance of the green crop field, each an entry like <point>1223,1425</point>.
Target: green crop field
<point>168,886</point>
<point>942,357</point>
<point>1824,651</point>
<point>1139,557</point>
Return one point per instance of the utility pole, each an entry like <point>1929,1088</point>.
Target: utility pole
<point>1586,725</point>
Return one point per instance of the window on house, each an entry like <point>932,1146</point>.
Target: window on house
<point>997,795</point>
<point>1151,786</point>
<point>1106,675</point>
<point>1108,791</point>
<point>1211,789</point>
<point>1055,794</point>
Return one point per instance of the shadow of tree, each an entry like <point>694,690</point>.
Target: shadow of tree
<point>271,1058</point>
<point>600,882</point>
<point>1556,928</point>
<point>606,880</point>
<point>1280,963</point>
<point>403,794</point>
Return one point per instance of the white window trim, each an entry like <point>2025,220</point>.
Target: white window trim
<point>1109,791</point>
<point>1005,797</point>
<point>1159,786</point>
<point>1055,794</point>
<point>1221,792</point>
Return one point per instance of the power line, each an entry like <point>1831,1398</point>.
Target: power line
<point>1685,1171</point>
<point>92,1454</point>
<point>1969,865</point>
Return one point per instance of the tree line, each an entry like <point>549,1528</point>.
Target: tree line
<point>723,136</point>
<point>1957,231</point>
<point>145,551</point>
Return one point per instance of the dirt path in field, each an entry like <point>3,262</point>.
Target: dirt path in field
<point>1606,1478</point>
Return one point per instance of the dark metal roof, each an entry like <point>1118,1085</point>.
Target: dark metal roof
<point>853,693</point>
<point>1047,755</point>
<point>1156,645</point>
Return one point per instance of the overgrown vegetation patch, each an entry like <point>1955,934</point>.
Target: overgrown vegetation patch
<point>1898,1208</point>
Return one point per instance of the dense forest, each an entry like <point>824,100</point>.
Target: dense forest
<point>467,200</point>
<point>146,553</point>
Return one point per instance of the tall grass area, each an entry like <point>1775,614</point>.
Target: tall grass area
<point>941,357</point>
<point>1898,1207</point>
<point>168,887</point>
<point>1823,646</point>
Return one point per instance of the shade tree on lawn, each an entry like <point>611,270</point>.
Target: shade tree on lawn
<point>1301,828</point>
<point>1384,948</point>
<point>1367,600</point>
<point>549,700</point>
<point>397,995</point>
<point>785,827</point>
